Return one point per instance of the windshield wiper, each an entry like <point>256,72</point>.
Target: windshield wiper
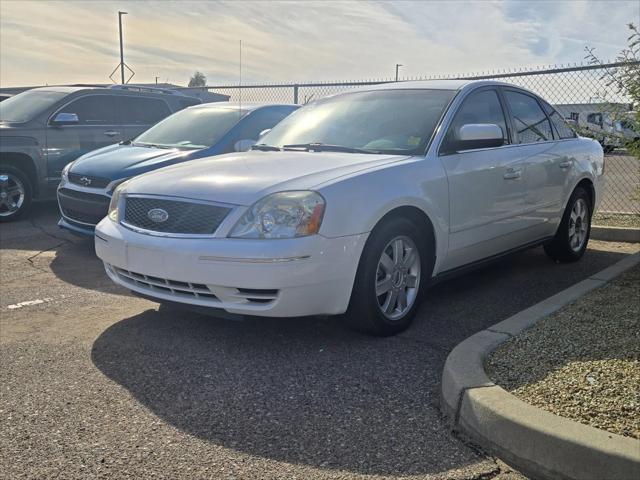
<point>265,148</point>
<point>152,145</point>
<point>326,147</point>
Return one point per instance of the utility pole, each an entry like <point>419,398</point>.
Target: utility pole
<point>398,65</point>
<point>121,50</point>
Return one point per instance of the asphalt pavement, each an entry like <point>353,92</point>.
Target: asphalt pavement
<point>96,383</point>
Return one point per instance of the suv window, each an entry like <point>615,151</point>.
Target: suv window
<point>93,110</point>
<point>595,118</point>
<point>260,120</point>
<point>530,122</point>
<point>479,107</point>
<point>562,127</point>
<point>142,111</point>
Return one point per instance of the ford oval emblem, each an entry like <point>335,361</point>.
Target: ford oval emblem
<point>158,215</point>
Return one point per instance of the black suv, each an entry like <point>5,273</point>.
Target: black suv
<point>43,129</point>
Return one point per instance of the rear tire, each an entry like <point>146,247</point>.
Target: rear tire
<point>16,193</point>
<point>393,272</point>
<point>572,236</point>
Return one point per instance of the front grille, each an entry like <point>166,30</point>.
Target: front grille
<point>83,207</point>
<point>78,195</point>
<point>82,217</point>
<point>88,180</point>
<point>183,217</point>
<point>190,290</point>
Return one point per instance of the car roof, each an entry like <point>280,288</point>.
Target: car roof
<point>434,84</point>
<point>135,91</point>
<point>249,106</point>
<point>60,89</point>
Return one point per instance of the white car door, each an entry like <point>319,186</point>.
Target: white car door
<point>486,186</point>
<point>546,161</point>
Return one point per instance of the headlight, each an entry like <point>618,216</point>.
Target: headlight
<point>282,215</point>
<point>115,201</point>
<point>65,172</point>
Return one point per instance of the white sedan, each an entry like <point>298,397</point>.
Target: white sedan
<point>356,203</point>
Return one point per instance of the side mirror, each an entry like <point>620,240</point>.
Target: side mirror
<point>263,133</point>
<point>244,145</point>
<point>479,135</point>
<point>65,119</point>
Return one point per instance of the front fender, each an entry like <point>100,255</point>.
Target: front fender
<point>357,203</point>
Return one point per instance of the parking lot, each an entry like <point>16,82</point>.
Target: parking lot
<point>97,383</point>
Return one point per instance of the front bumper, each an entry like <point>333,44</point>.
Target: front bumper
<point>76,228</point>
<point>81,209</point>
<point>276,278</point>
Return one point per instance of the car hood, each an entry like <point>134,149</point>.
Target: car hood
<point>244,178</point>
<point>123,161</point>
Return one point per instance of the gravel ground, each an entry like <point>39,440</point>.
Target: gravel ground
<point>98,384</point>
<point>582,362</point>
<point>613,220</point>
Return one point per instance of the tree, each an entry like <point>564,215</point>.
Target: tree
<point>626,80</point>
<point>198,80</point>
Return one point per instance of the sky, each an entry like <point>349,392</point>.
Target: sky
<point>62,42</point>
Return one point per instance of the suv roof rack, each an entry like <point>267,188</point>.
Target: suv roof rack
<point>145,89</point>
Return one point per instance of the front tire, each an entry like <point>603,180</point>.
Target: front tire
<point>16,193</point>
<point>572,236</point>
<point>394,269</point>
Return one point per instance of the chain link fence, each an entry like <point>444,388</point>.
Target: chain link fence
<point>582,93</point>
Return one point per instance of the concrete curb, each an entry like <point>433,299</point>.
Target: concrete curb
<point>537,442</point>
<point>615,234</point>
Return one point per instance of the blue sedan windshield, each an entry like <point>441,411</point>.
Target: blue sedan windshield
<point>192,128</point>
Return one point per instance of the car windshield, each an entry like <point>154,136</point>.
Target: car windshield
<point>379,121</point>
<point>191,128</point>
<point>26,105</point>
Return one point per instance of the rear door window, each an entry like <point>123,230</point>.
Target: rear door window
<point>529,120</point>
<point>93,110</point>
<point>563,130</point>
<point>142,111</point>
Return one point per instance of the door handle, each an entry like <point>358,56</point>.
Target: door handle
<point>565,164</point>
<point>512,174</point>
<point>111,133</point>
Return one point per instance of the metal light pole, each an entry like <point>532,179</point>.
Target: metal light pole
<point>121,50</point>
<point>398,65</point>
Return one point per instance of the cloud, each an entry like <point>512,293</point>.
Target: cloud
<point>69,42</point>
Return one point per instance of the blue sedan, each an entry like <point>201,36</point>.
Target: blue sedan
<point>195,132</point>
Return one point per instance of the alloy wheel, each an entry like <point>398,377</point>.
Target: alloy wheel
<point>398,277</point>
<point>12,194</point>
<point>578,224</point>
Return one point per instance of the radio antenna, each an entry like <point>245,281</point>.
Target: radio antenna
<point>240,85</point>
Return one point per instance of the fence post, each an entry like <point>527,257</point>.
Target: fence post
<point>295,93</point>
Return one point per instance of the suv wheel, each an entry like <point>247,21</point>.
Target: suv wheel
<point>16,193</point>
<point>394,269</point>
<point>570,241</point>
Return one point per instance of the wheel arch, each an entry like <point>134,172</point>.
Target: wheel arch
<point>421,217</point>
<point>587,185</point>
<point>25,164</point>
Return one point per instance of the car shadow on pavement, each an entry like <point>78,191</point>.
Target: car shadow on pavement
<point>74,262</point>
<point>302,391</point>
<point>308,391</point>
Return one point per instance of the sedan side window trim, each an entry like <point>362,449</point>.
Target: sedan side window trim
<point>511,117</point>
<point>505,113</point>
